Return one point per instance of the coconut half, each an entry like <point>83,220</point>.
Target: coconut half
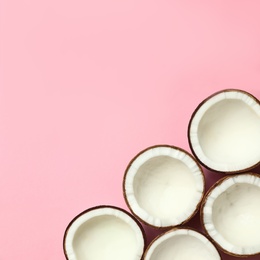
<point>182,243</point>
<point>230,214</point>
<point>163,186</point>
<point>224,131</point>
<point>104,232</point>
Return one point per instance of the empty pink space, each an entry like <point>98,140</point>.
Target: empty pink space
<point>86,85</point>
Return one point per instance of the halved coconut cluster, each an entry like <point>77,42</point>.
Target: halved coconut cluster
<point>164,187</point>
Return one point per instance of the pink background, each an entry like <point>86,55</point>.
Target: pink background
<point>85,85</point>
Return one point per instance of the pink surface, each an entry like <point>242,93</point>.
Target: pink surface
<point>85,85</point>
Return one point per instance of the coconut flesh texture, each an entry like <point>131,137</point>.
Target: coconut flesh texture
<point>231,214</point>
<point>182,244</point>
<point>104,233</point>
<point>163,186</point>
<point>224,132</point>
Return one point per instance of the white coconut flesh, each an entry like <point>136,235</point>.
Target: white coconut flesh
<point>231,214</point>
<point>104,233</point>
<point>163,186</point>
<point>182,244</point>
<point>225,132</point>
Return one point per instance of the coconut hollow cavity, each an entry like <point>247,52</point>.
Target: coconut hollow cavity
<point>104,232</point>
<point>224,131</point>
<point>231,214</point>
<point>163,186</point>
<point>183,244</point>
